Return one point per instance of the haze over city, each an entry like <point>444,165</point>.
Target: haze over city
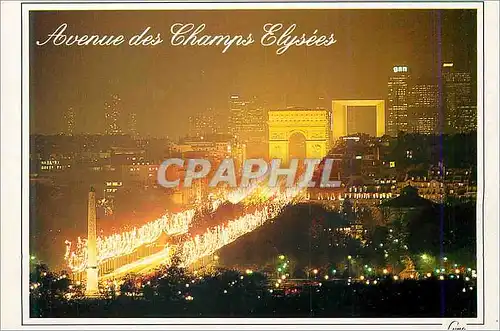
<point>164,85</point>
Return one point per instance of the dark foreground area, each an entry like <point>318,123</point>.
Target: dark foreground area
<point>232,294</point>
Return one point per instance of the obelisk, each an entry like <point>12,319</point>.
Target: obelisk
<point>92,288</point>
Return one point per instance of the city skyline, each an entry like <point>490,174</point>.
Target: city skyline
<point>162,92</point>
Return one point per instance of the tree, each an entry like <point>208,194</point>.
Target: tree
<point>47,290</point>
<point>423,232</point>
<point>348,211</point>
<point>172,280</point>
<point>129,285</point>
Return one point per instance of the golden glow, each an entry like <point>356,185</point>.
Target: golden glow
<point>191,249</point>
<point>313,124</point>
<point>340,115</point>
<point>125,243</point>
<point>219,236</point>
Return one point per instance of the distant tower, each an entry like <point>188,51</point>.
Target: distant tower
<point>460,101</point>
<point>112,114</point>
<point>132,125</point>
<point>92,268</point>
<point>397,106</point>
<point>69,118</point>
<point>246,118</point>
<point>204,123</point>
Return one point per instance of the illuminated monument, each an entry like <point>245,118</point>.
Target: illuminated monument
<point>310,128</point>
<point>340,109</point>
<point>92,268</point>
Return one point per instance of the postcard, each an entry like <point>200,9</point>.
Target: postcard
<point>313,165</point>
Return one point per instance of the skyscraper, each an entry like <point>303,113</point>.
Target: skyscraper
<point>132,125</point>
<point>247,119</point>
<point>459,98</point>
<point>69,119</point>
<point>237,112</point>
<point>204,123</point>
<point>397,100</point>
<point>423,108</point>
<point>112,113</point>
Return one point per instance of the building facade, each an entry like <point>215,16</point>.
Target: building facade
<point>247,119</point>
<point>340,112</point>
<point>204,123</point>
<point>69,121</point>
<point>313,126</point>
<point>459,100</point>
<point>132,126</point>
<point>397,100</point>
<point>423,108</point>
<point>112,114</point>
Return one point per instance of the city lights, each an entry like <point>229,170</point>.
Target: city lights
<point>219,236</point>
<point>117,245</point>
<point>125,243</point>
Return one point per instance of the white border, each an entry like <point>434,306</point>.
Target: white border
<point>11,175</point>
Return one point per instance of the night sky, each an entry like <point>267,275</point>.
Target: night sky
<point>164,84</point>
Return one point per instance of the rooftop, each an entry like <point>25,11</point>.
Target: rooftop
<point>408,198</point>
